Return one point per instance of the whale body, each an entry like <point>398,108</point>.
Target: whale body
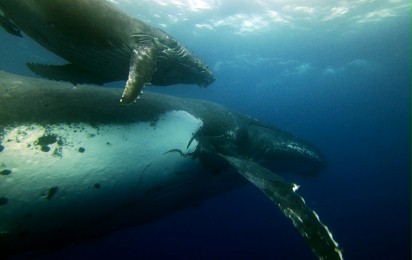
<point>102,44</point>
<point>75,165</point>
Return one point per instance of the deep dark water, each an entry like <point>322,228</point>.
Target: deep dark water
<point>348,91</point>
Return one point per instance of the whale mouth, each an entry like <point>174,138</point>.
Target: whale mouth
<point>207,80</point>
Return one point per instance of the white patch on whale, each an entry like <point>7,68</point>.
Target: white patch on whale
<point>86,166</point>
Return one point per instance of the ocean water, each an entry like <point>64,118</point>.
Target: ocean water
<point>337,73</point>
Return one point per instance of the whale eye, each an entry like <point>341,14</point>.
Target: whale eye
<point>173,43</point>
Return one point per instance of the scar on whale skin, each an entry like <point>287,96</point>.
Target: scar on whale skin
<point>5,172</point>
<point>50,194</point>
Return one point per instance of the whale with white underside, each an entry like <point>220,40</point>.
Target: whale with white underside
<point>75,165</point>
<point>102,44</point>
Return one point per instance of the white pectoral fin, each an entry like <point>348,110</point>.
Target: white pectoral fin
<point>142,66</point>
<point>282,193</point>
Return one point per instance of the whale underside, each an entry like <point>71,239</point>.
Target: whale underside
<point>102,44</point>
<point>75,165</point>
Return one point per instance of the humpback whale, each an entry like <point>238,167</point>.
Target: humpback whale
<point>102,44</point>
<point>74,165</point>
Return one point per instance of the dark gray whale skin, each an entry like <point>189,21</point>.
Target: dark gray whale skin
<point>49,206</point>
<point>103,44</point>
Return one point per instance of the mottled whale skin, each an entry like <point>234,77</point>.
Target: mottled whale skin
<point>103,44</point>
<point>75,165</point>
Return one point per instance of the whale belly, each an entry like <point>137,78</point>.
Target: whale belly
<point>61,182</point>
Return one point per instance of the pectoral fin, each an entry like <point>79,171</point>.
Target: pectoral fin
<point>142,66</point>
<point>291,204</point>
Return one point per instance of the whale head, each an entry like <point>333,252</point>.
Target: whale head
<point>187,68</point>
<point>282,151</point>
<point>273,148</point>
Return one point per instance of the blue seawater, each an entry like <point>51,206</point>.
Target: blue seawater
<point>337,73</point>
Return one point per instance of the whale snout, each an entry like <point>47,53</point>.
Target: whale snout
<point>283,152</point>
<point>207,78</point>
<point>197,71</point>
